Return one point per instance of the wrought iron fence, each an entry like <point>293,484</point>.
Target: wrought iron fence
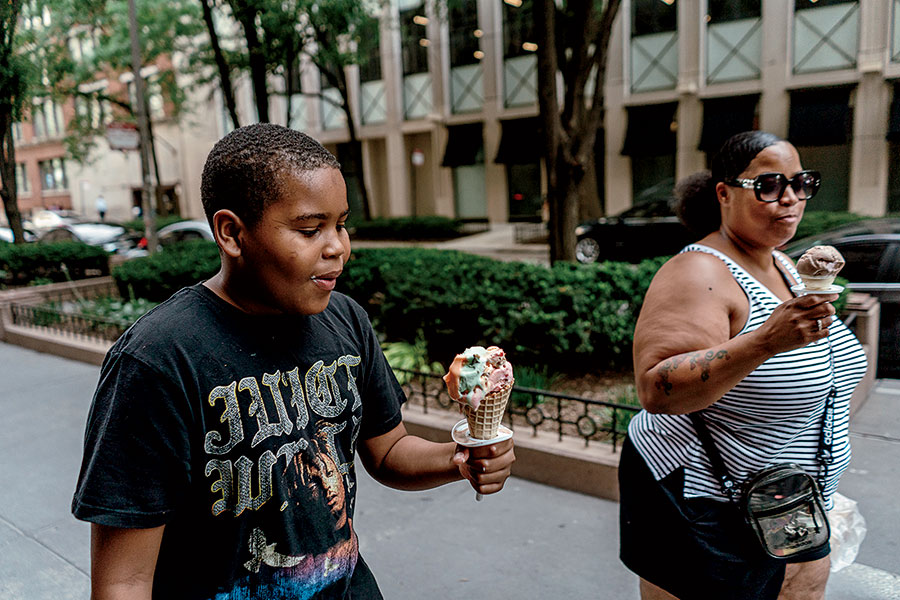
<point>541,410</point>
<point>67,324</point>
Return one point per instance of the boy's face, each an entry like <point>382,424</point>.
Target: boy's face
<point>294,254</point>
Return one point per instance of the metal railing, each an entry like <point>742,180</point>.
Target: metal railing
<point>542,410</point>
<point>66,324</point>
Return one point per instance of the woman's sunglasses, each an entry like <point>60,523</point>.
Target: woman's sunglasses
<point>770,187</point>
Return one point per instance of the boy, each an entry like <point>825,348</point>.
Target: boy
<point>219,450</point>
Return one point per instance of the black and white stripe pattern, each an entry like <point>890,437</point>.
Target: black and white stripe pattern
<point>773,416</point>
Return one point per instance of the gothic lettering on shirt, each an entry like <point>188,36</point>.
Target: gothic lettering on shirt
<point>246,482</point>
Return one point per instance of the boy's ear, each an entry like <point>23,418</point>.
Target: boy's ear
<point>227,227</point>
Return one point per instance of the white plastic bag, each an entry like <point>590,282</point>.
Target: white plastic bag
<point>848,529</point>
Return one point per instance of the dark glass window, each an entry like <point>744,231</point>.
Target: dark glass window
<point>801,4</point>
<point>653,16</point>
<point>518,29</point>
<point>524,186</point>
<point>53,174</point>
<point>413,40</point>
<point>370,65</point>
<point>464,33</point>
<point>894,178</point>
<point>863,260</point>
<point>732,10</point>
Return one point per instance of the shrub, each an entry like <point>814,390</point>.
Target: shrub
<point>568,317</point>
<point>160,275</point>
<point>407,228</point>
<point>815,222</point>
<point>23,264</point>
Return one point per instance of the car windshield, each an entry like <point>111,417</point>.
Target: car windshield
<point>870,227</point>
<point>656,208</point>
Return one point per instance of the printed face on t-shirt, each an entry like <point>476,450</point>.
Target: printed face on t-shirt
<point>290,260</point>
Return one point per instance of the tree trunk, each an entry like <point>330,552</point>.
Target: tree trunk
<point>246,15</point>
<point>159,205</point>
<point>221,64</point>
<point>355,146</point>
<point>9,190</point>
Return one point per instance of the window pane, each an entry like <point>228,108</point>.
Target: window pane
<point>370,66</point>
<point>732,10</point>
<point>413,41</point>
<point>518,29</point>
<point>463,26</point>
<point>653,16</point>
<point>801,4</point>
<point>22,183</point>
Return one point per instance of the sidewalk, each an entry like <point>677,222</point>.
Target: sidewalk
<point>528,542</point>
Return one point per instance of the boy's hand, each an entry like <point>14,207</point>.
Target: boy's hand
<point>486,467</point>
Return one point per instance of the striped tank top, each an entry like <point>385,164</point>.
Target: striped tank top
<point>773,416</point>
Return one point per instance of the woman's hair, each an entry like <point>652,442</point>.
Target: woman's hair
<point>695,195</point>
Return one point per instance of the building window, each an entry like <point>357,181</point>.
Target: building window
<point>654,45</point>
<point>414,39</point>
<point>650,142</point>
<point>17,132</point>
<point>156,106</point>
<point>653,16</point>
<point>91,111</point>
<point>48,119</point>
<point>82,46</point>
<point>53,174</point>
<point>721,11</point>
<point>824,149</point>
<point>22,184</point>
<point>465,35</point>
<point>801,4</point>
<point>518,28</point>
<point>370,66</point>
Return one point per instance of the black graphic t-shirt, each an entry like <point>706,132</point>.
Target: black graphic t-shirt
<point>238,433</point>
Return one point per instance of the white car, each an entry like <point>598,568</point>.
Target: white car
<point>181,231</point>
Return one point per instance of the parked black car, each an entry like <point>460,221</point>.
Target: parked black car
<point>643,231</point>
<point>872,251</point>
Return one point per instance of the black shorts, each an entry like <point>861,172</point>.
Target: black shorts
<point>695,549</point>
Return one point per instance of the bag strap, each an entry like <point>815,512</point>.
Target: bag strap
<point>718,465</point>
<point>824,454</point>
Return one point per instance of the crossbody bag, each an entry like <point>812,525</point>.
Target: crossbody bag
<point>782,504</point>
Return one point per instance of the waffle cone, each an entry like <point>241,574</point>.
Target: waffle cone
<point>484,423</point>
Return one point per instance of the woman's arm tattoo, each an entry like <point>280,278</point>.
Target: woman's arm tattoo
<point>696,360</point>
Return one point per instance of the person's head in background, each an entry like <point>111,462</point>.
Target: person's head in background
<point>277,205</point>
<point>754,193</point>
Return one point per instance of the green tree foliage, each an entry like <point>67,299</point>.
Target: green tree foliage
<point>100,31</point>
<point>266,40</point>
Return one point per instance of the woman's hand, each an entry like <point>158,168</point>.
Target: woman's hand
<point>798,322</point>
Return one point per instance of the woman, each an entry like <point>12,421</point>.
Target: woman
<point>722,333</point>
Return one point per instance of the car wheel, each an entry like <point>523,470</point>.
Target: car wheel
<point>587,250</point>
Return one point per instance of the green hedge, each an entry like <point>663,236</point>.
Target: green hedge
<point>406,228</point>
<point>568,317</point>
<point>159,276</point>
<point>815,222</point>
<point>24,264</point>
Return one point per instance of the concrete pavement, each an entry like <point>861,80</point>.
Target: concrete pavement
<point>528,542</point>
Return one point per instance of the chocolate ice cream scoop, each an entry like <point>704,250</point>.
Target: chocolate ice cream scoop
<point>820,261</point>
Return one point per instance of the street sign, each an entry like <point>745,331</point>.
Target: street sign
<point>123,136</point>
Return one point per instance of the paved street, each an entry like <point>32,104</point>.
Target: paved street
<point>530,541</point>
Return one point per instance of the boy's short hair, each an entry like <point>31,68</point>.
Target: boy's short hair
<point>245,169</point>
